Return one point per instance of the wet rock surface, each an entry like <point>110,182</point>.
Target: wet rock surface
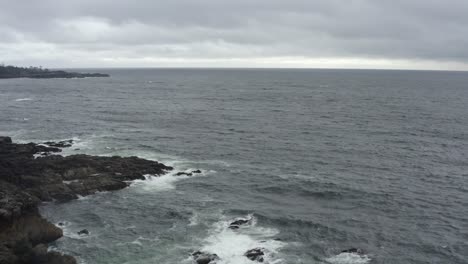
<point>255,254</point>
<point>59,144</point>
<point>353,250</point>
<point>26,181</point>
<point>83,232</point>
<point>182,173</point>
<point>238,223</point>
<point>204,257</point>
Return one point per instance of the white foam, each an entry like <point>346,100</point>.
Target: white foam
<point>81,198</point>
<point>164,182</point>
<point>348,258</point>
<point>70,182</point>
<point>169,160</point>
<point>23,99</point>
<point>194,219</point>
<point>56,249</point>
<point>88,145</point>
<point>66,228</point>
<point>231,245</point>
<point>138,241</point>
<point>158,183</point>
<point>38,155</point>
<point>77,143</point>
<point>69,231</point>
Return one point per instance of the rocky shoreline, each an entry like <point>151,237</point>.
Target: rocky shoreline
<point>30,174</point>
<point>9,72</point>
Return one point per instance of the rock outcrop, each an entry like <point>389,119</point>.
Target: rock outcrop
<point>255,254</point>
<point>204,257</point>
<point>353,251</point>
<point>239,222</point>
<point>182,173</point>
<point>26,181</point>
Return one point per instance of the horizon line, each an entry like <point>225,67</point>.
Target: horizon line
<point>256,68</point>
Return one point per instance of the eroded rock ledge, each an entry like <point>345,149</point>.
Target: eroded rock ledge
<point>26,181</point>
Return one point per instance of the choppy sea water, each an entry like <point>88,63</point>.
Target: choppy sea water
<point>321,160</point>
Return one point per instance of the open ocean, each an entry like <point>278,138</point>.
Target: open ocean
<point>321,160</point>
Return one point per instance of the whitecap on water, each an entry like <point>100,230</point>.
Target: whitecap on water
<point>194,219</point>
<point>23,99</point>
<point>348,258</point>
<point>138,241</point>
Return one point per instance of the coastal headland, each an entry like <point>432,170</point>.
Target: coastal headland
<point>33,173</point>
<point>9,72</point>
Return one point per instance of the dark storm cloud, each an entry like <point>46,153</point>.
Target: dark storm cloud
<point>220,29</point>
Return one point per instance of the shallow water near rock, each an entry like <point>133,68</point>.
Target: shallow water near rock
<point>321,160</point>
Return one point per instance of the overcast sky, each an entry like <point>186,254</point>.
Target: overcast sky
<point>413,34</point>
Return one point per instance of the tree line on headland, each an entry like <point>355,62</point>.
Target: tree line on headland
<point>9,71</point>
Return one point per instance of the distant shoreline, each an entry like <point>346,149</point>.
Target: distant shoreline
<point>11,72</point>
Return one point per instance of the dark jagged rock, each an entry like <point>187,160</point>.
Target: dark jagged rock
<point>237,223</point>
<point>26,181</point>
<point>255,254</point>
<point>5,140</point>
<point>41,255</point>
<point>188,173</point>
<point>353,250</point>
<point>204,257</point>
<point>83,232</point>
<point>59,144</point>
<point>183,173</point>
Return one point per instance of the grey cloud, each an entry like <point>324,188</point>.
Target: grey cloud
<point>220,29</point>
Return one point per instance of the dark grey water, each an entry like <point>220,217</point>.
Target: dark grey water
<point>324,160</point>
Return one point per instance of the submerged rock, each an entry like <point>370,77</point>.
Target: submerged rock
<point>188,173</point>
<point>255,254</point>
<point>183,173</point>
<point>353,250</point>
<point>83,232</point>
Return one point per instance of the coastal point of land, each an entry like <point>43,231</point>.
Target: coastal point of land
<point>32,173</point>
<point>9,72</point>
